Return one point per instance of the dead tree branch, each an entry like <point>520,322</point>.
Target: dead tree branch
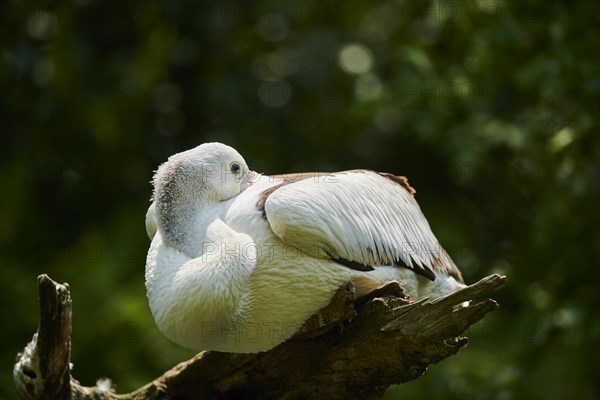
<point>354,348</point>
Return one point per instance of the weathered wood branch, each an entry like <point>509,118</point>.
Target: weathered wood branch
<point>354,348</point>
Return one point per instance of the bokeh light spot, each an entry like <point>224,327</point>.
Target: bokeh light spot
<point>368,87</point>
<point>40,25</point>
<point>355,59</point>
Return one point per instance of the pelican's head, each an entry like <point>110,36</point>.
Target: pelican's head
<point>194,180</point>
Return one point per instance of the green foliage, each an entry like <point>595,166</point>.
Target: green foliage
<point>490,107</point>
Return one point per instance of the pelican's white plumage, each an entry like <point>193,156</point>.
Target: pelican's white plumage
<point>239,261</point>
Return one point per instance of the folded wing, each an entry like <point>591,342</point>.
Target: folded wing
<point>361,219</point>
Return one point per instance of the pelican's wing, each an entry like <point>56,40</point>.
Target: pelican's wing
<point>361,219</point>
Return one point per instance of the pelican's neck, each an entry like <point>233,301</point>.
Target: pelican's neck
<point>180,217</point>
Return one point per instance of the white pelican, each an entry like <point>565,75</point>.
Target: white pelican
<point>239,260</point>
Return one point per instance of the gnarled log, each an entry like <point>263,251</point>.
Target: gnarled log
<point>353,348</point>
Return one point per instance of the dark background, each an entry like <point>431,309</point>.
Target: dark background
<point>489,107</point>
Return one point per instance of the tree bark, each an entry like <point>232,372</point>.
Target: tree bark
<point>353,348</point>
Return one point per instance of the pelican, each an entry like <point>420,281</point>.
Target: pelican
<point>240,260</point>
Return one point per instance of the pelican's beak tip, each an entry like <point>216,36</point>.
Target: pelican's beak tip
<point>251,176</point>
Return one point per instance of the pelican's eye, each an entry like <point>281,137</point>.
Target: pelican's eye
<point>235,167</point>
